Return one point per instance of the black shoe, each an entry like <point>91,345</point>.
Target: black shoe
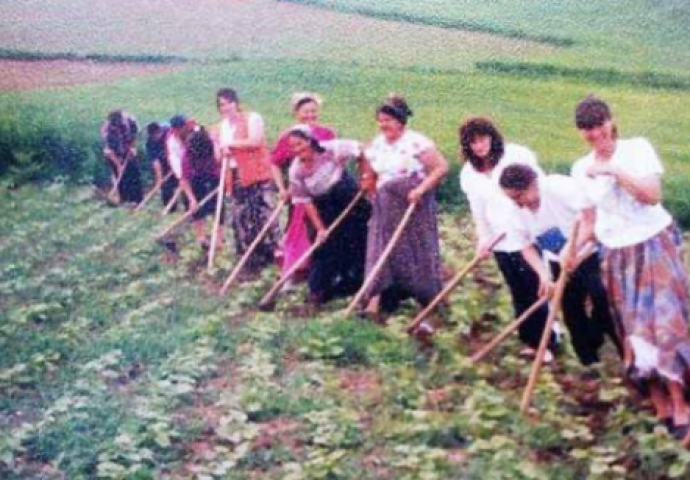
<point>679,432</point>
<point>169,245</point>
<point>637,380</point>
<point>267,306</point>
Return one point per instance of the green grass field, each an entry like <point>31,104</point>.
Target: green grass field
<point>116,365</point>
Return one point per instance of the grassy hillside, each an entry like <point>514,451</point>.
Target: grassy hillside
<point>635,35</point>
<point>537,113</point>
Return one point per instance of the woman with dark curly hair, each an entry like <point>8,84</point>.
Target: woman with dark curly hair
<point>486,155</point>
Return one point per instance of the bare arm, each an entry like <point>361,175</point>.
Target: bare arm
<point>585,236</point>
<point>436,168</point>
<point>367,176</point>
<point>187,189</point>
<point>532,257</point>
<point>315,219</point>
<point>279,181</point>
<point>114,159</point>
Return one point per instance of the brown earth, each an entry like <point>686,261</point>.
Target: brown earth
<point>221,29</point>
<point>18,75</point>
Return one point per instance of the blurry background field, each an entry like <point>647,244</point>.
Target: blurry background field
<point>133,369</point>
<point>523,63</point>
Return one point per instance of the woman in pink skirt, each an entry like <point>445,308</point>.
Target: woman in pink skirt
<point>305,108</point>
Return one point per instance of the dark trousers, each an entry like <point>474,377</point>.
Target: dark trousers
<point>130,187</point>
<point>523,283</point>
<point>168,190</point>
<point>586,311</point>
<point>338,266</point>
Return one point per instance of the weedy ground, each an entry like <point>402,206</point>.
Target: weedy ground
<point>116,364</point>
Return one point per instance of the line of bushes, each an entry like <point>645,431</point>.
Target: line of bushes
<point>29,56</point>
<point>455,24</point>
<point>602,76</point>
<point>31,151</point>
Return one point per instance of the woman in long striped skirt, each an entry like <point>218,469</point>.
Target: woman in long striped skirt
<point>642,263</point>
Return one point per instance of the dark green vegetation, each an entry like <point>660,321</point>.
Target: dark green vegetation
<point>7,54</point>
<point>116,365</point>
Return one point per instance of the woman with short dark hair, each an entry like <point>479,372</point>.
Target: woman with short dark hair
<point>551,204</point>
<point>642,265</point>
<point>241,138</point>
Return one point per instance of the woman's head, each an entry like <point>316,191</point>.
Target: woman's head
<point>302,143</point>
<point>519,182</point>
<point>392,116</point>
<point>594,120</point>
<point>228,102</point>
<point>481,143</point>
<point>154,131</point>
<point>305,107</point>
<point>116,118</point>
<point>199,144</point>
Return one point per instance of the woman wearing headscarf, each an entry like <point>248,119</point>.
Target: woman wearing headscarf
<point>407,168</point>
<point>200,176</point>
<point>642,266</point>
<point>321,184</point>
<point>241,139</point>
<point>119,137</point>
<point>305,108</point>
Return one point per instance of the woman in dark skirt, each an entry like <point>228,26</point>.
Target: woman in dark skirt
<point>119,137</point>
<point>157,156</point>
<point>200,176</point>
<point>320,182</point>
<point>408,168</point>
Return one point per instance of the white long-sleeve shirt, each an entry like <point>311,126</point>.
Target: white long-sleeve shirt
<point>492,211</point>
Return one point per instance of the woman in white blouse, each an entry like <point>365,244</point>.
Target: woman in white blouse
<point>642,265</point>
<point>321,184</point>
<point>485,156</point>
<point>407,168</point>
